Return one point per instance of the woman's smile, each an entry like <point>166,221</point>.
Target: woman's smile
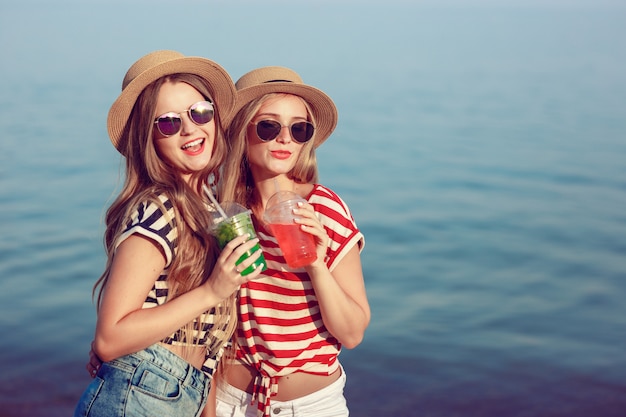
<point>194,147</point>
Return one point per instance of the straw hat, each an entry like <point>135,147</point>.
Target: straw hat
<point>261,81</point>
<point>155,65</point>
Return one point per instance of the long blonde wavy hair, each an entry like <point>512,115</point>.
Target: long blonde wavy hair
<point>237,183</point>
<point>146,177</point>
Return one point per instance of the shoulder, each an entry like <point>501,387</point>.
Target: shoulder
<point>322,196</point>
<point>319,189</point>
<point>153,217</point>
<point>340,225</point>
<point>153,209</point>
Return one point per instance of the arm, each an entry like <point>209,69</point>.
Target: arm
<point>341,294</point>
<point>124,327</point>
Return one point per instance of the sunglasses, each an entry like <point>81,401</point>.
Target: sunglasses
<point>267,130</point>
<point>170,123</point>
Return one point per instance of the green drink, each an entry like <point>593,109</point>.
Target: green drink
<point>239,223</point>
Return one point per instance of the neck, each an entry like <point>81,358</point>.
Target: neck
<point>266,187</point>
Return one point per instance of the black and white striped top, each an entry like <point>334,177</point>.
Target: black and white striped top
<point>158,223</point>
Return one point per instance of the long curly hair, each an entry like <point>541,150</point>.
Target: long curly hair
<point>146,177</point>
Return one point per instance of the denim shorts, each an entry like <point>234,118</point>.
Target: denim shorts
<point>327,402</point>
<point>151,382</point>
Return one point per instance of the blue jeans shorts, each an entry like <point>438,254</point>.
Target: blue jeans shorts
<point>151,382</point>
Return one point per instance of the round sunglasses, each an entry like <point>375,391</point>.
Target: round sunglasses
<point>267,130</point>
<point>170,123</point>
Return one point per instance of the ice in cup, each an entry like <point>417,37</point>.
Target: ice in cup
<point>298,246</point>
<point>238,223</point>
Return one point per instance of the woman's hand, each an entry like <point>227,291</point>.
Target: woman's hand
<point>310,223</point>
<point>94,363</point>
<point>226,276</point>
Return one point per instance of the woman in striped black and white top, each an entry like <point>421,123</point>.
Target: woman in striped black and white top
<point>166,300</point>
<point>292,322</point>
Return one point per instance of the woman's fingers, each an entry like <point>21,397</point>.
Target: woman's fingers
<point>310,221</point>
<point>94,362</point>
<point>230,268</point>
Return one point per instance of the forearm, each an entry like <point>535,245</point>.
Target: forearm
<point>342,299</point>
<point>124,326</point>
<point>144,327</point>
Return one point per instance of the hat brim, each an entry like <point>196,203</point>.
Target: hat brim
<point>220,83</point>
<point>322,106</point>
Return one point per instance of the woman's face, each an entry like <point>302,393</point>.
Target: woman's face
<point>278,156</point>
<point>190,149</point>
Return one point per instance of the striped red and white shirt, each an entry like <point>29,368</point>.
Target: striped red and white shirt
<point>280,325</point>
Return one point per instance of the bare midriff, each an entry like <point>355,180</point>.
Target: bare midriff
<point>195,355</point>
<point>290,386</point>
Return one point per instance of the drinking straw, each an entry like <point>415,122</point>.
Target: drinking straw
<point>208,192</point>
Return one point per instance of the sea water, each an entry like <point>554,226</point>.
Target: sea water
<point>481,149</point>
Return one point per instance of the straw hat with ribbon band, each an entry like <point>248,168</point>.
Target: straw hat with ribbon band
<point>157,64</point>
<point>265,80</point>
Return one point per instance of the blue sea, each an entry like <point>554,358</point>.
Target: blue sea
<point>481,147</point>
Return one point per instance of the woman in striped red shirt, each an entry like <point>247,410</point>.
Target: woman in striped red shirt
<point>292,322</point>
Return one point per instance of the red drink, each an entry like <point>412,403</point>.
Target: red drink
<point>298,246</point>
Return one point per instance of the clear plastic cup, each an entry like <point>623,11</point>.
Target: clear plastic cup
<point>238,223</point>
<point>298,246</point>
